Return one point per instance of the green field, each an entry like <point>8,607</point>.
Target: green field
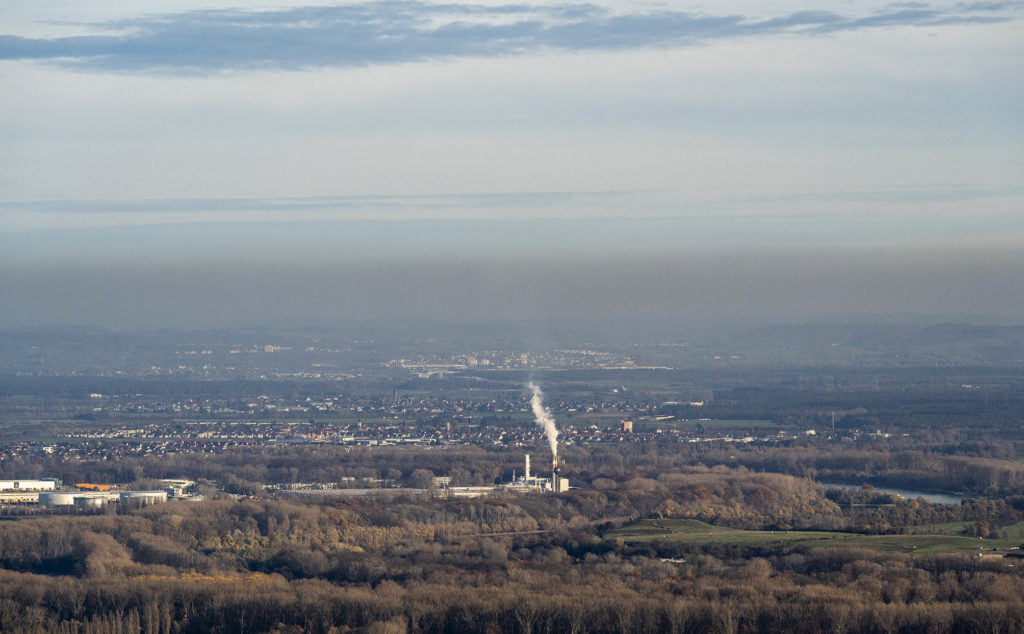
<point>697,532</point>
<point>1013,533</point>
<point>945,528</point>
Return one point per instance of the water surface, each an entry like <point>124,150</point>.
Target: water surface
<point>934,498</point>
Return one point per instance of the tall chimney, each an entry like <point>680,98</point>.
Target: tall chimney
<point>527,466</point>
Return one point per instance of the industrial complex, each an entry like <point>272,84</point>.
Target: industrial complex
<point>87,496</point>
<point>531,483</point>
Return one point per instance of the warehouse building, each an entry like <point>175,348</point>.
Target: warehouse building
<point>28,485</point>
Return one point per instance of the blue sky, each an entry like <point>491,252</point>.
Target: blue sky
<point>155,135</point>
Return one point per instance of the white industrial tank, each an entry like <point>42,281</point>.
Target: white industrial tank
<point>142,498</point>
<point>54,498</point>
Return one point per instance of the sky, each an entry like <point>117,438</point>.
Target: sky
<point>196,164</point>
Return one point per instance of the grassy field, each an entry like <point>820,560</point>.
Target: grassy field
<point>1014,533</point>
<point>694,531</point>
<point>945,528</point>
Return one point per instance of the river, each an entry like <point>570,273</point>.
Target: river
<point>934,498</point>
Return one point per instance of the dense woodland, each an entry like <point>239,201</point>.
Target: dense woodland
<point>528,563</point>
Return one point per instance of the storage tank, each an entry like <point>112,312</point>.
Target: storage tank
<point>89,502</point>
<point>137,499</point>
<point>54,498</point>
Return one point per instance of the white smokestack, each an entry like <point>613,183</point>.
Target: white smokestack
<point>544,417</point>
<point>527,466</point>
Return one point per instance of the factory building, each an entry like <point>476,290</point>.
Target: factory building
<point>530,483</point>
<point>558,483</point>
<point>28,485</point>
<point>88,486</point>
<point>178,487</point>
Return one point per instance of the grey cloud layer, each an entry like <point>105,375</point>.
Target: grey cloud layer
<point>405,31</point>
<point>480,204</point>
<point>379,203</point>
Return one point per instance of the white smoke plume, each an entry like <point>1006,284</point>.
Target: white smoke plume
<point>544,417</point>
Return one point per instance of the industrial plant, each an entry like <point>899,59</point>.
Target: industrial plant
<point>85,496</point>
<point>528,483</point>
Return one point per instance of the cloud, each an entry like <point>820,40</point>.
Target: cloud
<point>376,203</point>
<point>399,31</point>
<point>481,205</point>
